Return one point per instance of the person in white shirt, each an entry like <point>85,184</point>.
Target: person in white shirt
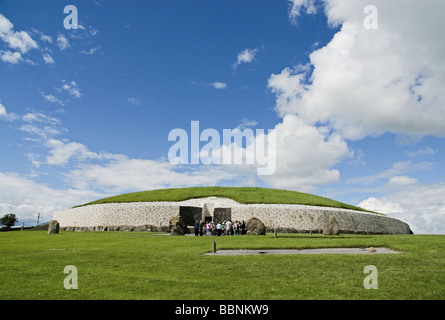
<point>229,227</point>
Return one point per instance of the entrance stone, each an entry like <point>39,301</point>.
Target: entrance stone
<point>255,227</point>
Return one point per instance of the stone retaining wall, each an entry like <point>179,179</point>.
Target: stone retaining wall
<point>299,218</point>
<point>155,216</point>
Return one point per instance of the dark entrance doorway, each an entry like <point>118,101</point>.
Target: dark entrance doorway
<point>222,214</point>
<point>190,215</point>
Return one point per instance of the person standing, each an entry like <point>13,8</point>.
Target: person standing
<point>228,227</point>
<point>243,227</point>
<point>218,229</point>
<point>196,226</point>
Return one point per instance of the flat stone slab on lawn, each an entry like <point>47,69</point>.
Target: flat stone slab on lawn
<point>302,251</point>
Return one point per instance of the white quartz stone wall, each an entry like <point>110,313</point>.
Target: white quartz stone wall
<point>296,218</point>
<point>311,218</point>
<point>155,214</point>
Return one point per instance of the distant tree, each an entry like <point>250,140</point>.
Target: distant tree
<point>9,220</point>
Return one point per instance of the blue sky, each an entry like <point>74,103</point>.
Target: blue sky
<point>358,113</point>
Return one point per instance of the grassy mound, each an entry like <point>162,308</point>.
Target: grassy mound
<point>245,195</point>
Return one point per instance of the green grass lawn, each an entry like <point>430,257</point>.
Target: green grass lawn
<point>143,265</point>
<point>244,195</point>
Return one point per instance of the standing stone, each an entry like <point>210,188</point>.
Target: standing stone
<point>255,226</point>
<point>53,227</point>
<point>177,226</point>
<point>214,247</point>
<point>331,226</point>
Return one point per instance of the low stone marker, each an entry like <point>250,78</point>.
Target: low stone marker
<point>53,227</point>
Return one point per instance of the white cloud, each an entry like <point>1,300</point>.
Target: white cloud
<point>5,115</point>
<point>126,174</point>
<point>27,198</point>
<point>40,117</point>
<point>71,88</point>
<point>305,155</point>
<point>60,152</point>
<point>10,57</point>
<point>19,40</point>
<point>41,132</point>
<point>246,123</point>
<point>394,173</point>
<point>367,82</point>
<point>41,126</point>
<point>46,38</point>
<point>91,51</point>
<point>134,101</point>
<point>401,181</point>
<point>381,205</point>
<point>421,152</point>
<point>216,85</point>
<point>51,98</point>
<point>219,85</point>
<point>62,42</point>
<point>421,206</point>
<point>48,59</point>
<point>295,7</point>
<point>396,169</point>
<point>245,56</point>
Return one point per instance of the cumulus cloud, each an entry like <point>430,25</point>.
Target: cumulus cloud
<point>10,57</point>
<point>26,198</point>
<point>305,155</point>
<point>421,206</point>
<point>19,40</point>
<point>393,75</point>
<point>6,115</point>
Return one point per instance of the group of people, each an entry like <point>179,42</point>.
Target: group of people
<point>225,228</point>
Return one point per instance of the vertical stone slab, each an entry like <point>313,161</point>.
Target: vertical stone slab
<point>53,227</point>
<point>331,226</point>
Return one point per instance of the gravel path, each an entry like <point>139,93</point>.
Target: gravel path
<point>303,251</point>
